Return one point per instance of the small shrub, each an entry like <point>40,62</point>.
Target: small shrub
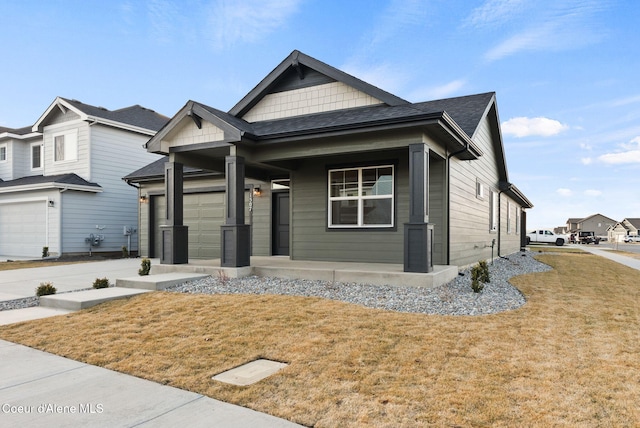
<point>145,267</point>
<point>223,277</point>
<point>484,268</point>
<point>479,276</point>
<point>101,283</point>
<point>45,289</point>
<point>125,252</point>
<point>45,252</point>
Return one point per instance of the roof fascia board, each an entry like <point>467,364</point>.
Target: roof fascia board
<point>154,144</point>
<point>20,137</point>
<point>296,58</point>
<point>38,126</point>
<point>121,125</point>
<point>45,186</point>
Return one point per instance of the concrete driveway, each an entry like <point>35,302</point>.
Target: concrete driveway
<point>20,283</point>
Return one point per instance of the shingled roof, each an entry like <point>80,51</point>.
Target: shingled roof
<point>134,115</point>
<point>155,170</point>
<point>60,180</point>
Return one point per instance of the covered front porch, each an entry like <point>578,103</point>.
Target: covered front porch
<point>343,272</point>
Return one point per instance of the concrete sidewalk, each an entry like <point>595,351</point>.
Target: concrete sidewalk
<point>19,283</point>
<point>606,253</point>
<point>38,389</point>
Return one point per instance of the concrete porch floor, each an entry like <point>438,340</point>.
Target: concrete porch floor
<point>346,272</point>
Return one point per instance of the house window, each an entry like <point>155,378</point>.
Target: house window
<point>509,217</point>
<point>3,153</point>
<point>361,197</point>
<point>517,220</point>
<point>65,147</point>
<point>36,156</point>
<point>479,190</point>
<point>493,211</point>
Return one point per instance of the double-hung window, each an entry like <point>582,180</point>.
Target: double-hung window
<point>494,211</point>
<point>3,153</point>
<point>361,197</point>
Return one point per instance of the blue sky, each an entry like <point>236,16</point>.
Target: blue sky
<point>566,72</point>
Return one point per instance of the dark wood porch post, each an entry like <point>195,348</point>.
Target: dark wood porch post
<point>418,233</point>
<point>234,239</point>
<point>175,238</point>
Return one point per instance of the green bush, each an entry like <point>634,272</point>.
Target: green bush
<point>101,283</point>
<point>479,276</point>
<point>45,252</point>
<point>45,289</point>
<point>145,267</point>
<point>125,252</point>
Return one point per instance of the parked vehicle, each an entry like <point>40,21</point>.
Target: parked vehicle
<point>632,238</point>
<point>546,237</point>
<point>588,238</point>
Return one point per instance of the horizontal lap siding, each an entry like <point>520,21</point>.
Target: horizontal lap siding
<point>311,240</point>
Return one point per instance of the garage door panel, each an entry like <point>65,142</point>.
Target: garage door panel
<point>23,228</point>
<point>203,214</point>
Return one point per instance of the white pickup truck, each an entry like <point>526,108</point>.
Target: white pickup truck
<point>546,237</point>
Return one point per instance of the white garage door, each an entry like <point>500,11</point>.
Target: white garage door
<point>23,228</point>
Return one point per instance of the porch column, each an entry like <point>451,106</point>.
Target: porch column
<point>234,234</point>
<point>418,233</point>
<point>175,239</point>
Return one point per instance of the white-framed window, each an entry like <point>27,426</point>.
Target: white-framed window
<point>361,197</point>
<point>36,156</point>
<point>479,189</point>
<point>3,152</point>
<point>65,147</point>
<point>509,229</point>
<point>494,211</point>
<point>517,219</point>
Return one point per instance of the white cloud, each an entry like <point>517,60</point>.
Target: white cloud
<point>535,126</point>
<point>630,154</point>
<point>438,92</point>
<point>494,12</point>
<point>586,161</point>
<point>232,22</point>
<point>564,192</point>
<point>592,192</point>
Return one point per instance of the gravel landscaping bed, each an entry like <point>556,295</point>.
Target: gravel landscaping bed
<point>454,298</point>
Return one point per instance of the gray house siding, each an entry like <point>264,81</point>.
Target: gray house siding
<point>310,237</point>
<point>471,237</point>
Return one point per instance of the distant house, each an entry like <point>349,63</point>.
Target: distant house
<point>60,180</point>
<point>628,226</point>
<point>347,172</point>
<point>597,223</point>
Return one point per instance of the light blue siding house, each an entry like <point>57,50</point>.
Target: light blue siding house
<point>60,180</point>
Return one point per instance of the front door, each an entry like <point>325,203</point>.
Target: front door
<point>280,226</point>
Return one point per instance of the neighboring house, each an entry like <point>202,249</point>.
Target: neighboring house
<point>628,226</point>
<point>597,223</point>
<point>354,174</point>
<point>61,182</point>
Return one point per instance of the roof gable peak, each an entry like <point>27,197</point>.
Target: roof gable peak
<point>299,70</point>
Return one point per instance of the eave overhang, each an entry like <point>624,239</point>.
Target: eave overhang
<point>48,186</point>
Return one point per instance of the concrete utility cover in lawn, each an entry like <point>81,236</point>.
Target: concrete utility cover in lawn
<point>250,373</point>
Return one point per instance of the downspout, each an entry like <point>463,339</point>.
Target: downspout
<point>448,208</point>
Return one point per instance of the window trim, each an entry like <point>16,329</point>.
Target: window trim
<point>70,146</point>
<point>360,198</point>
<point>5,146</point>
<point>494,211</point>
<point>31,147</point>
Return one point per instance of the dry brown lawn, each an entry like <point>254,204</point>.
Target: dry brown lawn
<point>26,264</point>
<point>569,357</point>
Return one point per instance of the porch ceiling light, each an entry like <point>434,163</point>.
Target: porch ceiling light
<point>257,191</point>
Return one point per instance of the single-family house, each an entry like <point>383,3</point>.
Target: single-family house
<point>627,227</point>
<point>60,180</point>
<point>316,164</point>
<point>597,223</point>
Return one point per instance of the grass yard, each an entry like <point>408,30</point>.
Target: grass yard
<point>569,357</point>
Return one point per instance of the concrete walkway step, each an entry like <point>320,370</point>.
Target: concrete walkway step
<point>85,299</point>
<point>159,281</point>
<point>28,314</point>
